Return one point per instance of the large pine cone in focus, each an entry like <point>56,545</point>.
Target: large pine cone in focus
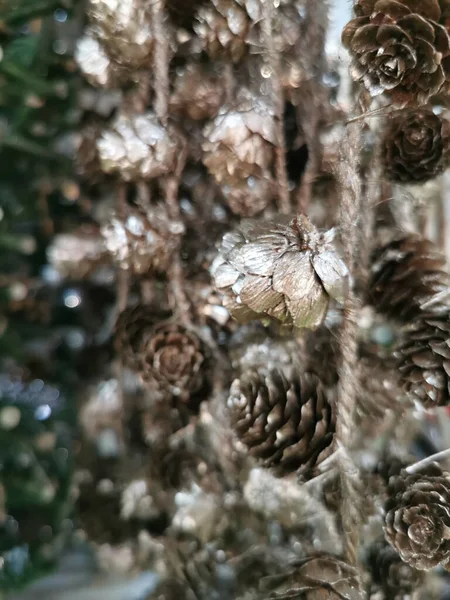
<point>424,360</point>
<point>287,424</point>
<point>416,146</point>
<point>284,270</point>
<point>418,517</point>
<point>323,577</point>
<point>395,578</point>
<point>407,273</point>
<point>399,48</point>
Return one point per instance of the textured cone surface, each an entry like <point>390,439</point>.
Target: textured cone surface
<point>407,273</point>
<point>285,270</point>
<point>416,146</point>
<point>320,578</point>
<point>199,93</point>
<point>389,573</point>
<point>399,48</point>
<point>424,361</point>
<point>418,517</point>
<point>287,425</point>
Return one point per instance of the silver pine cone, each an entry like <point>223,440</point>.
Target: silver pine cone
<point>285,270</point>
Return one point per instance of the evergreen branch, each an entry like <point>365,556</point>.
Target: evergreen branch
<point>23,144</point>
<point>23,75</point>
<point>11,15</point>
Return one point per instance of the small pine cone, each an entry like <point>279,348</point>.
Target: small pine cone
<point>416,146</point>
<point>223,26</point>
<point>418,517</point>
<point>199,92</point>
<point>145,241</point>
<point>424,361</point>
<point>395,578</point>
<point>173,358</point>
<point>284,270</point>
<point>407,273</point>
<point>240,142</point>
<point>389,55</point>
<point>138,147</point>
<point>250,196</point>
<point>98,68</point>
<point>287,424</point>
<point>321,577</point>
<point>124,29</point>
<point>78,254</point>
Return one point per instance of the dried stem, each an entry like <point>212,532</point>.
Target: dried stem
<point>280,151</point>
<point>161,61</point>
<point>122,275</point>
<point>351,193</point>
<point>421,464</point>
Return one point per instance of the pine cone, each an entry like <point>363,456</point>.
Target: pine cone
<point>416,146</point>
<point>98,68</point>
<point>424,360</point>
<point>418,517</point>
<point>138,147</point>
<point>223,26</point>
<point>78,254</point>
<point>286,270</point>
<point>145,241</point>
<point>406,274</point>
<point>124,29</point>
<point>399,48</point>
<point>240,141</point>
<point>250,196</point>
<point>199,92</point>
<point>389,573</point>
<point>287,425</point>
<point>323,577</point>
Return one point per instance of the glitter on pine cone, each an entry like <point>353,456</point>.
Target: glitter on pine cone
<point>198,92</point>
<point>287,424</point>
<point>393,577</point>
<point>399,48</point>
<point>416,146</point>
<point>407,273</point>
<point>417,517</point>
<point>424,360</point>
<point>138,147</point>
<point>145,241</point>
<point>323,577</point>
<point>284,270</point>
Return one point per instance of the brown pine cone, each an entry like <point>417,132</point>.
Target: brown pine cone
<point>284,270</point>
<point>223,26</point>
<point>173,358</point>
<point>323,577</point>
<point>399,48</point>
<point>138,147</point>
<point>145,241</point>
<point>416,146</point>
<point>424,360</point>
<point>250,196</point>
<point>198,92</point>
<point>393,577</point>
<point>418,517</point>
<point>407,273</point>
<point>287,424</point>
<point>124,29</point>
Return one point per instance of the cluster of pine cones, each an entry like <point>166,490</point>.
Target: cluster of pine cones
<point>209,449</point>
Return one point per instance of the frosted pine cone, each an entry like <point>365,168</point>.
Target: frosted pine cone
<point>399,48</point>
<point>407,273</point>
<point>395,578</point>
<point>322,577</point>
<point>124,29</point>
<point>287,425</point>
<point>418,517</point>
<point>78,254</point>
<point>198,93</point>
<point>223,26</point>
<point>138,147</point>
<point>416,146</point>
<point>98,68</point>
<point>145,241</point>
<point>424,360</point>
<point>285,270</point>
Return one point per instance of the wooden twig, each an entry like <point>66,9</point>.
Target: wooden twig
<point>161,61</point>
<point>421,464</point>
